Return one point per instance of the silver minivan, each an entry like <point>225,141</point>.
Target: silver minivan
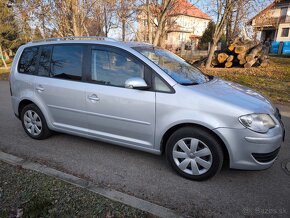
<point>143,97</point>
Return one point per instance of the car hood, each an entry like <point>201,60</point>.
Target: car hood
<point>235,95</point>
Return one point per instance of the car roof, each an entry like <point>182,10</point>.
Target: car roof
<point>87,40</point>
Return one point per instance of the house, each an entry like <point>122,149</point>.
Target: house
<point>273,22</point>
<point>186,24</point>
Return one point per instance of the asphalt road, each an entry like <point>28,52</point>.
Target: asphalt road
<point>231,193</point>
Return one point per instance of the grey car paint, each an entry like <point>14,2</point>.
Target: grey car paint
<point>139,119</point>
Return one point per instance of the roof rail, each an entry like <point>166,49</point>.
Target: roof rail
<point>75,38</point>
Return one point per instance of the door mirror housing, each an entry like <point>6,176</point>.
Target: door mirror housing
<point>136,83</point>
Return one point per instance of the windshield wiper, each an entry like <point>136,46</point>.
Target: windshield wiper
<point>189,84</point>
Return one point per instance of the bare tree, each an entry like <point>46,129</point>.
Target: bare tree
<point>125,11</point>
<point>223,9</point>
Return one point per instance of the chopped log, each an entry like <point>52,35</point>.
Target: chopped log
<point>230,58</point>
<point>242,62</point>
<point>214,62</point>
<point>254,52</point>
<point>240,49</point>
<point>231,47</point>
<point>228,64</point>
<point>250,63</point>
<point>241,56</point>
<point>222,57</point>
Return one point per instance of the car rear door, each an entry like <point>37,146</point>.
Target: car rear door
<point>59,86</point>
<point>116,113</point>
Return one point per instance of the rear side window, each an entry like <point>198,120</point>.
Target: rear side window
<point>44,61</point>
<point>66,62</point>
<point>28,60</point>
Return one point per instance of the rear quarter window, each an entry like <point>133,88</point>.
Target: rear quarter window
<point>28,60</point>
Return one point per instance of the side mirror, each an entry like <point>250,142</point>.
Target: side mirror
<point>136,83</point>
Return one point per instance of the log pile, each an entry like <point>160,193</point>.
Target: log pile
<point>241,53</point>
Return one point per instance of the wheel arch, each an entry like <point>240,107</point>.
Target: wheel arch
<point>171,130</point>
<point>27,101</point>
<point>22,104</point>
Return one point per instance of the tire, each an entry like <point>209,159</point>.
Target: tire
<point>201,159</point>
<point>34,123</point>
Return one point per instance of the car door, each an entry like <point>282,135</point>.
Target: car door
<point>59,86</point>
<point>115,113</point>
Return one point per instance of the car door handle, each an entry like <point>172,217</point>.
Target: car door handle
<point>93,97</point>
<point>39,88</point>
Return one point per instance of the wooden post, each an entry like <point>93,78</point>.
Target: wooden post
<point>280,48</point>
<point>2,57</point>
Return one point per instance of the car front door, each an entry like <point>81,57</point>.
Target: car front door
<point>115,113</point>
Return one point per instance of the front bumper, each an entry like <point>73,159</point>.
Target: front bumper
<point>250,150</point>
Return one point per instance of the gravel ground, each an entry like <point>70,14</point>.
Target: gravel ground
<point>36,195</point>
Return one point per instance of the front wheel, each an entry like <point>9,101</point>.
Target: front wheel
<point>34,122</point>
<point>194,153</point>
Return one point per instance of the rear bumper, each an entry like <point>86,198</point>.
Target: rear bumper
<point>249,150</point>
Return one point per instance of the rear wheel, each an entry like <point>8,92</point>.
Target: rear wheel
<point>194,153</point>
<point>34,122</point>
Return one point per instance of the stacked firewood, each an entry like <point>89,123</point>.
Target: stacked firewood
<point>241,53</point>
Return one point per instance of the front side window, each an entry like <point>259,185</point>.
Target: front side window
<point>111,68</point>
<point>66,62</point>
<point>177,68</point>
<point>28,60</point>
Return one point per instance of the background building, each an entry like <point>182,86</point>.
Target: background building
<point>273,22</point>
<point>185,24</point>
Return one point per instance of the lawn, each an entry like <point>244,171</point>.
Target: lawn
<point>36,195</point>
<point>273,81</point>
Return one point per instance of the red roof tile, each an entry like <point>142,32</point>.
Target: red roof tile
<point>183,7</point>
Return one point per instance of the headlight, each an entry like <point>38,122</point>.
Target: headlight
<point>257,122</point>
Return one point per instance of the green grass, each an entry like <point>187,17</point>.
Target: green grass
<point>38,195</point>
<point>272,81</point>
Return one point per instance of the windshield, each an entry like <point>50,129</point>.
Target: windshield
<point>177,68</point>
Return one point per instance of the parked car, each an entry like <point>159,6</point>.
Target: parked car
<point>143,97</point>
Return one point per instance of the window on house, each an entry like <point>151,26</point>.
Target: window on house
<point>285,32</point>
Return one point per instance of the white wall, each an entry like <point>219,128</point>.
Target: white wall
<point>279,37</point>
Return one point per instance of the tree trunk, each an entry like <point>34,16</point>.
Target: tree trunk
<point>210,55</point>
<point>123,29</point>
<point>106,22</point>
<point>150,36</point>
<point>160,22</point>
<point>75,18</point>
<point>251,56</point>
<point>2,57</point>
